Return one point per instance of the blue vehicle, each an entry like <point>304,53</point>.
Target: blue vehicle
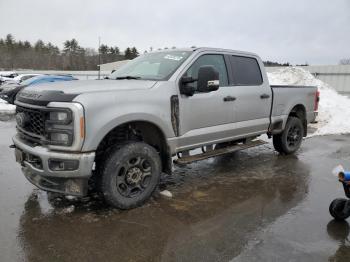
<point>9,92</point>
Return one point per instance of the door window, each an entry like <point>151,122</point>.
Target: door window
<point>217,61</point>
<point>245,71</point>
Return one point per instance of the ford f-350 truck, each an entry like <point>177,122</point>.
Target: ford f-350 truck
<point>124,131</point>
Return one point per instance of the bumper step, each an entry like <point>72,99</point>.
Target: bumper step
<point>218,152</point>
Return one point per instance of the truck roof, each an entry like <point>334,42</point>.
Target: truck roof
<point>210,49</point>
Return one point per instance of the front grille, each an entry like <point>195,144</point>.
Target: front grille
<point>34,124</point>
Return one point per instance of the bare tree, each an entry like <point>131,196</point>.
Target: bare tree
<point>344,61</point>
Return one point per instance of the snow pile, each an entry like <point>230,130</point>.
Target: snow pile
<point>6,108</point>
<point>334,109</point>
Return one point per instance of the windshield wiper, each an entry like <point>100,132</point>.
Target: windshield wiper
<point>127,77</point>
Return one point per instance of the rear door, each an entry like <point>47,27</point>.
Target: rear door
<point>206,116</point>
<point>253,95</point>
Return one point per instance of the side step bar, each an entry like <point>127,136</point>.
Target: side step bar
<point>218,152</point>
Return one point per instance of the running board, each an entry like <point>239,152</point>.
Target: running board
<point>218,152</point>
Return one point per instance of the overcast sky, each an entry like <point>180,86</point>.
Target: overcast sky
<point>298,31</point>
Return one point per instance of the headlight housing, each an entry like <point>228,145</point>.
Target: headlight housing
<point>59,127</point>
<point>65,126</point>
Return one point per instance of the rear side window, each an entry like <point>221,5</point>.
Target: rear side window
<point>245,71</point>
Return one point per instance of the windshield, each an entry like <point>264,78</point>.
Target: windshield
<point>30,80</point>
<point>152,66</point>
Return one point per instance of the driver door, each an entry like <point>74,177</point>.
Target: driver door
<point>206,117</point>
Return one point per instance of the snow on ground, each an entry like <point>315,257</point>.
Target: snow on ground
<point>6,108</point>
<point>334,109</point>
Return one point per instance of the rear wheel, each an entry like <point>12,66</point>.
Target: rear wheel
<point>130,175</point>
<point>290,139</point>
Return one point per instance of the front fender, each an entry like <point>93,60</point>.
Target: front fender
<point>95,136</point>
<point>105,112</point>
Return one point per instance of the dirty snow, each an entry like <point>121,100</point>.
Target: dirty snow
<point>334,109</point>
<point>69,197</point>
<point>68,210</point>
<point>166,193</point>
<point>6,108</point>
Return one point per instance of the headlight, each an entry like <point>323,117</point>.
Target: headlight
<point>65,126</point>
<point>60,138</point>
<point>58,116</point>
<point>60,127</point>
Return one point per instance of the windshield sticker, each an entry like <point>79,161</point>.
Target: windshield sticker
<point>173,57</point>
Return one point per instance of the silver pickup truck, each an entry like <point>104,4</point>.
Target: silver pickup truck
<point>122,132</point>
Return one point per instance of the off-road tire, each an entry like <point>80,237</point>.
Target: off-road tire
<point>115,174</point>
<point>336,209</point>
<point>282,142</point>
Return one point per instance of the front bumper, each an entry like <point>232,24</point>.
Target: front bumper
<point>35,166</point>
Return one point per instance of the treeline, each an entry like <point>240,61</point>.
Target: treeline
<point>270,63</point>
<point>344,61</point>
<point>47,56</point>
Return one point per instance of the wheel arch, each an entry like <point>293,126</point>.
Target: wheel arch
<point>299,111</point>
<point>137,130</point>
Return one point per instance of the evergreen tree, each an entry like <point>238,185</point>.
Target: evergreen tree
<point>104,49</point>
<point>114,51</point>
<point>15,54</point>
<point>9,41</point>
<point>128,54</point>
<point>39,46</point>
<point>27,45</point>
<point>134,52</point>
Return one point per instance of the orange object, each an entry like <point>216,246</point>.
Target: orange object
<point>82,127</point>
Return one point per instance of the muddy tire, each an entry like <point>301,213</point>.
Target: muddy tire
<point>130,174</point>
<point>336,209</point>
<point>290,139</point>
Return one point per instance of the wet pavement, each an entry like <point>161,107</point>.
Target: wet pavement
<point>253,205</point>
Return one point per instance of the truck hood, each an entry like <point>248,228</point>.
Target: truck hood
<point>88,86</point>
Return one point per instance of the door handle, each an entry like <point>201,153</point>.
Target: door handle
<point>229,98</point>
<point>264,96</point>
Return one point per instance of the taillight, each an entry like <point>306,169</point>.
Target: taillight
<point>317,100</point>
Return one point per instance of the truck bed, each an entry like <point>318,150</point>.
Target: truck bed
<point>285,97</point>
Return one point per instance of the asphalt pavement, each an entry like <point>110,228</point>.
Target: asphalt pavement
<point>253,205</point>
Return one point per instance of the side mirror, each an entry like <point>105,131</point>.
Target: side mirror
<point>208,79</point>
<point>186,89</point>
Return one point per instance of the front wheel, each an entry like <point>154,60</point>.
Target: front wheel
<point>290,139</point>
<point>130,175</point>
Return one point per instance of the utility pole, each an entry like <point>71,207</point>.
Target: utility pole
<point>99,57</point>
